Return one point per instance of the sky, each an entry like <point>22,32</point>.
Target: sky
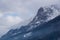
<point>16,11</point>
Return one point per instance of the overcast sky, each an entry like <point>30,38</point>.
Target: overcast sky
<point>15,11</point>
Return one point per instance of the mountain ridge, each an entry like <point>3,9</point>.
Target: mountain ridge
<point>37,29</point>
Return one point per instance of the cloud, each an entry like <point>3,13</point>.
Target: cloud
<point>24,7</point>
<point>9,21</point>
<point>1,15</point>
<point>13,20</point>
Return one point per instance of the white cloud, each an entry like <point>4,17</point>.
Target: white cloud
<point>13,20</point>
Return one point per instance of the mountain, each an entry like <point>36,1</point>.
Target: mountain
<point>44,26</point>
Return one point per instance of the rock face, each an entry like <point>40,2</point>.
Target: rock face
<point>44,26</point>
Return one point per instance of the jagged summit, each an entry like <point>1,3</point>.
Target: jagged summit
<point>44,14</point>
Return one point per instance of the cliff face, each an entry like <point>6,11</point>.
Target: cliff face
<point>44,26</point>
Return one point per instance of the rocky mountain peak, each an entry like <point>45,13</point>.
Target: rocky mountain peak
<point>44,14</point>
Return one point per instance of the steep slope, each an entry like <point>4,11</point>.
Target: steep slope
<point>47,31</point>
<point>42,25</point>
<point>43,15</point>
